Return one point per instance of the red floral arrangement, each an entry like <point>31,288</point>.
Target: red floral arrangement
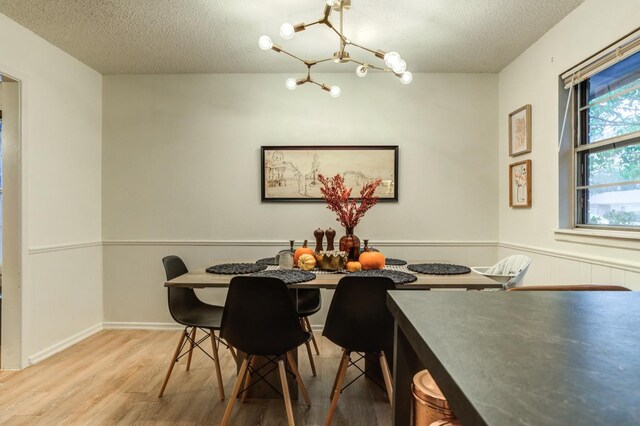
<point>349,210</point>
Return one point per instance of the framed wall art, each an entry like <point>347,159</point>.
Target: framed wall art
<point>520,131</point>
<point>290,173</point>
<point>520,184</point>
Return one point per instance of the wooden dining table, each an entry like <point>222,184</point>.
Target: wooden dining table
<point>470,281</point>
<point>199,279</point>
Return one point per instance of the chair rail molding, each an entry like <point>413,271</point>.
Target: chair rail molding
<point>280,243</point>
<point>65,246</point>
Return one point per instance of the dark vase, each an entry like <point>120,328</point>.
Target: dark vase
<point>350,243</point>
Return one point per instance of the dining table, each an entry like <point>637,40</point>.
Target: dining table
<point>200,279</point>
<point>470,281</point>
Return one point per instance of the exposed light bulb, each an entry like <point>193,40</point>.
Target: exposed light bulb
<point>400,67</point>
<point>406,77</point>
<point>332,2</point>
<point>391,59</point>
<point>286,31</point>
<point>362,70</point>
<point>335,91</point>
<point>291,83</point>
<point>265,42</point>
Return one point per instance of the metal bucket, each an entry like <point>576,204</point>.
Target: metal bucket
<point>429,404</point>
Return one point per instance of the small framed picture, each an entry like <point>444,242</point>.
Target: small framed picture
<point>520,184</point>
<point>520,131</point>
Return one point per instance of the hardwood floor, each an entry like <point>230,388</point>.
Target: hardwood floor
<point>114,377</point>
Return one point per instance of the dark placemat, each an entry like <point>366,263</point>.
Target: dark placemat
<point>394,262</point>
<point>289,276</point>
<point>235,268</point>
<point>397,276</point>
<point>439,269</point>
<point>267,261</point>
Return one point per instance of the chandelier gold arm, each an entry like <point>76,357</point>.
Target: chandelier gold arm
<point>369,65</point>
<point>392,60</point>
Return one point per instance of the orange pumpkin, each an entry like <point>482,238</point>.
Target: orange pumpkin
<point>300,251</point>
<point>354,266</point>
<point>371,260</point>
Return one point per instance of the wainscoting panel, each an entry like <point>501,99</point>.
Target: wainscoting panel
<point>551,267</point>
<point>134,276</point>
<point>64,290</point>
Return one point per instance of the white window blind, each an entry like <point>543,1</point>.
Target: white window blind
<point>621,49</point>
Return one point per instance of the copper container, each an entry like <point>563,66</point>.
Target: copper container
<point>446,423</point>
<point>429,404</point>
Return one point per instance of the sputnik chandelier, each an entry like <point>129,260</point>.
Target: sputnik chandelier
<point>394,63</point>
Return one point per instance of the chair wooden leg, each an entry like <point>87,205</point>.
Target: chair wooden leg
<point>313,364</point>
<point>234,392</point>
<point>340,379</point>
<point>343,360</point>
<point>216,361</point>
<point>233,353</point>
<point>176,353</point>
<point>313,337</point>
<point>193,339</point>
<point>247,380</point>
<point>294,368</point>
<point>285,392</point>
<point>384,365</point>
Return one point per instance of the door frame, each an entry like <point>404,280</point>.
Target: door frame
<point>12,267</point>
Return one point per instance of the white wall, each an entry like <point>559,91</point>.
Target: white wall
<point>181,163</point>
<point>533,79</point>
<point>61,191</point>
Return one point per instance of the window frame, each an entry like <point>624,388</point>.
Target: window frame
<point>580,151</point>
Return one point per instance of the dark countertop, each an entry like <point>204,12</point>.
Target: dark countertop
<point>529,358</point>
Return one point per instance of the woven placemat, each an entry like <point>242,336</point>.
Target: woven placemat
<point>235,268</point>
<point>289,276</point>
<point>439,269</point>
<point>267,261</point>
<point>397,276</point>
<point>394,262</point>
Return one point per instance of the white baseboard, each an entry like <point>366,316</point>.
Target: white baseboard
<point>60,346</point>
<point>142,326</point>
<point>161,326</point>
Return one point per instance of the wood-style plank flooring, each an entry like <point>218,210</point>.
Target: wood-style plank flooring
<point>114,377</point>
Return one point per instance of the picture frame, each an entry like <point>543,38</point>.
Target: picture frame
<point>520,184</point>
<point>289,173</point>
<point>520,131</point>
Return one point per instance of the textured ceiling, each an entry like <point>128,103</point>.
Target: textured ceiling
<point>216,36</point>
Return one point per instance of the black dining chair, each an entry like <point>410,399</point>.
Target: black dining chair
<point>187,309</point>
<point>309,301</point>
<point>260,319</point>
<point>359,321</point>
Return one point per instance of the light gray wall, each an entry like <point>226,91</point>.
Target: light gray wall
<point>533,79</point>
<point>61,136</point>
<point>181,164</point>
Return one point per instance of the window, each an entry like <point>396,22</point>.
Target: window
<point>607,146</point>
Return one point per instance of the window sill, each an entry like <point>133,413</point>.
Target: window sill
<point>608,238</point>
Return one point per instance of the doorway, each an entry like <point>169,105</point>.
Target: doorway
<point>10,223</point>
